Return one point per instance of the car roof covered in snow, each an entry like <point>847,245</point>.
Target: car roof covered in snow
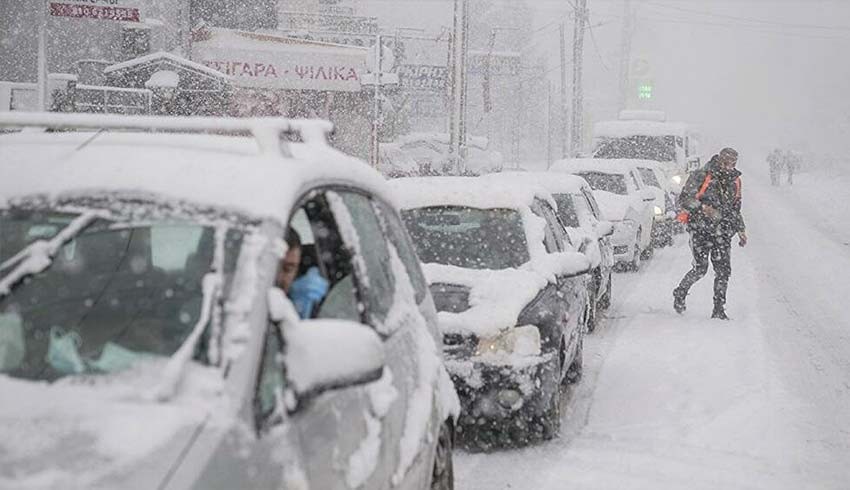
<point>623,129</point>
<point>554,182</point>
<point>474,192</point>
<point>602,165</point>
<point>227,172</point>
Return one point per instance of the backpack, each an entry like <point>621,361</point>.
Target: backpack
<point>684,216</point>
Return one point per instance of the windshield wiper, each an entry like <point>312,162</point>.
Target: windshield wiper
<point>38,255</point>
<point>211,286</point>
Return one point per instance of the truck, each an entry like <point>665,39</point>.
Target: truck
<point>647,135</point>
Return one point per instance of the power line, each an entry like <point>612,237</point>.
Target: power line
<point>750,19</point>
<point>740,27</point>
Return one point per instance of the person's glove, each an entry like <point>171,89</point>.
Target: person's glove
<point>307,291</point>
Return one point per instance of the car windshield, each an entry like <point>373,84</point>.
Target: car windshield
<point>567,210</point>
<point>115,293</point>
<point>638,147</point>
<point>600,181</point>
<point>468,237</point>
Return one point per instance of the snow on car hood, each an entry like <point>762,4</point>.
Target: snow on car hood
<point>614,207</point>
<point>97,431</point>
<point>497,297</point>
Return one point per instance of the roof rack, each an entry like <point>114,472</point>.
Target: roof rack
<point>266,131</point>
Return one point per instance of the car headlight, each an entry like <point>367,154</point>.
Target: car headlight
<point>677,179</point>
<point>658,211</point>
<point>523,340</point>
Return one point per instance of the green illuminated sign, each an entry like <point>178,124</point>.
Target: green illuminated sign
<point>644,91</point>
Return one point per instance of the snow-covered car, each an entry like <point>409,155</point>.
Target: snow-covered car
<point>664,208</point>
<point>512,300</point>
<point>581,216</point>
<point>144,338</point>
<point>624,201</point>
<point>431,152</point>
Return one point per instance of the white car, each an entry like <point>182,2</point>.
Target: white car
<point>664,209</point>
<point>624,201</point>
<point>145,340</point>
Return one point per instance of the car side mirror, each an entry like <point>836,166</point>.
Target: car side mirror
<point>280,308</point>
<point>326,354</point>
<point>604,228</point>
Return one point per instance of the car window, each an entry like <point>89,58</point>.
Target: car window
<point>635,180</point>
<point>594,206</point>
<point>270,384</point>
<point>322,247</point>
<point>567,209</point>
<point>398,236</point>
<point>583,209</point>
<point>551,240</point>
<point>648,177</point>
<point>601,181</point>
<point>361,230</point>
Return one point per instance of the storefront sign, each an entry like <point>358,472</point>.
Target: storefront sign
<point>500,63</point>
<point>95,9</point>
<point>297,71</point>
<point>423,77</point>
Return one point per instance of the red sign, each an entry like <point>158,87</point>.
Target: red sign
<point>127,14</point>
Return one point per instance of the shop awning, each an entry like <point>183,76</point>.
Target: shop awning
<point>257,60</point>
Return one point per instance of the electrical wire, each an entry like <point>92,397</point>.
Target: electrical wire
<point>750,19</point>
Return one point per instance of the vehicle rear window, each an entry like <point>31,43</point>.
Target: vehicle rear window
<point>468,237</point>
<point>600,181</point>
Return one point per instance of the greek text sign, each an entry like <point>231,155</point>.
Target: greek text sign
<point>94,9</point>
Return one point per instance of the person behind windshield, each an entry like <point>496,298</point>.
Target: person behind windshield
<point>712,199</point>
<point>305,291</point>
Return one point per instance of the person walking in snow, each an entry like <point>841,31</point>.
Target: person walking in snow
<point>792,161</point>
<point>775,161</point>
<point>711,206</point>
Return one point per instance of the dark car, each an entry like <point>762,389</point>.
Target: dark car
<point>511,293</point>
<point>580,214</point>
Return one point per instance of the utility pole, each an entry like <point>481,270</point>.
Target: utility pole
<point>625,53</point>
<point>43,17</point>
<point>376,122</point>
<point>563,126</point>
<point>457,120</point>
<point>578,96</point>
<point>549,152</point>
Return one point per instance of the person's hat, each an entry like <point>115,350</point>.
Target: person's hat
<point>730,152</point>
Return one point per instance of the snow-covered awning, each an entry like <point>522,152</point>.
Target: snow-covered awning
<point>269,61</point>
<point>135,73</point>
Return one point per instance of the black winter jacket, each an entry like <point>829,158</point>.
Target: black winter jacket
<point>722,193</point>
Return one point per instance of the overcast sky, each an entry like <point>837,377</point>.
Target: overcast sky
<point>750,73</point>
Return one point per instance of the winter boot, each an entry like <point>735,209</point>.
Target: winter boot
<point>679,300</point>
<point>719,313</point>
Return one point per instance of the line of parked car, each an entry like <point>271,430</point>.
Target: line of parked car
<point>145,340</point>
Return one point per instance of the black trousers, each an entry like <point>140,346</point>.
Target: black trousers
<point>718,249</point>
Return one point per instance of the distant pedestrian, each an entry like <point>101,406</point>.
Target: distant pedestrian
<point>711,203</point>
<point>792,162</point>
<point>775,160</point>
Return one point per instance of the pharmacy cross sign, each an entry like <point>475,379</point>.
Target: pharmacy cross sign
<point>95,9</point>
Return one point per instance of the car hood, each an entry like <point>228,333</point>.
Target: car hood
<point>496,297</point>
<point>614,207</point>
<point>93,433</point>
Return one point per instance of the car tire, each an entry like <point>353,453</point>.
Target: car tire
<point>634,265</point>
<point>590,317</point>
<point>576,368</point>
<point>442,474</point>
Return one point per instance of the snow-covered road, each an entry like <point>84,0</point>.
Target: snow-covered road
<point>670,401</point>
